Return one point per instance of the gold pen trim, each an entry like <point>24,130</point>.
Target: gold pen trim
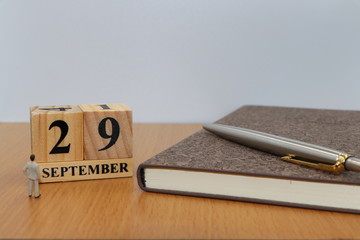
<point>335,168</point>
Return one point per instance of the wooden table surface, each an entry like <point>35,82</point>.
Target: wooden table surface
<point>117,208</point>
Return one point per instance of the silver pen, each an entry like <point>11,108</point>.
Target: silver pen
<point>291,150</point>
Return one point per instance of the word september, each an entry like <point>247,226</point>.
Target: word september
<point>82,170</point>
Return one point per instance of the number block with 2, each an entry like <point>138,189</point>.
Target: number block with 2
<point>57,133</point>
<point>107,131</point>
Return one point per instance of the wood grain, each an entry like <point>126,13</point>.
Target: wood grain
<point>97,115</point>
<point>118,209</point>
<point>45,136</point>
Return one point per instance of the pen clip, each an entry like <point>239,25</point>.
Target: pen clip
<point>336,168</point>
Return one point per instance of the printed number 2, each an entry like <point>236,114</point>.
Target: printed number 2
<point>64,128</point>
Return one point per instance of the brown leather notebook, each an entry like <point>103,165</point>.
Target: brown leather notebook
<point>206,165</point>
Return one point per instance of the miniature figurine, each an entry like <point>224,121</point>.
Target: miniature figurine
<point>32,171</point>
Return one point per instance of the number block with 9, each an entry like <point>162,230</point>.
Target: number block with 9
<point>107,131</point>
<point>57,133</point>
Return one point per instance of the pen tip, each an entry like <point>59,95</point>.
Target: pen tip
<point>208,126</point>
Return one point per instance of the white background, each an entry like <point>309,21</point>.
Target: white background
<point>179,61</point>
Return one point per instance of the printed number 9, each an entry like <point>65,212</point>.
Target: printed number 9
<point>114,133</point>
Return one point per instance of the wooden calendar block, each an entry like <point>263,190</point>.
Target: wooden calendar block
<point>85,170</point>
<point>57,133</point>
<point>107,131</point>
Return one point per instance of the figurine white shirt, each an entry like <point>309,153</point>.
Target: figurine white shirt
<point>31,170</point>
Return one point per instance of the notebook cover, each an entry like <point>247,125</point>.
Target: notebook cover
<point>203,151</point>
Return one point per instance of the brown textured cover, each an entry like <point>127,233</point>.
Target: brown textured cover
<point>204,151</point>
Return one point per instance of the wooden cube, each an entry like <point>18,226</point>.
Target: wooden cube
<point>57,133</point>
<point>107,131</point>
